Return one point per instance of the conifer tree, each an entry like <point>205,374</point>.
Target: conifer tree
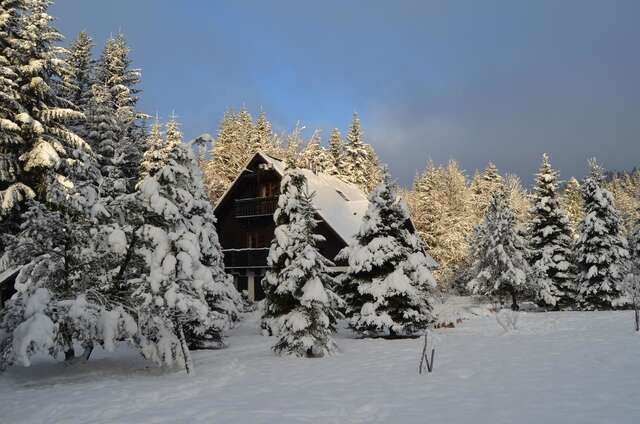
<point>441,210</point>
<point>184,268</point>
<point>388,284</point>
<point>78,77</point>
<point>290,205</point>
<point>314,156</point>
<point>42,118</point>
<point>359,165</point>
<point>336,152</point>
<point>114,73</point>
<point>483,186</point>
<point>300,302</point>
<point>155,155</point>
<point>499,253</point>
<point>601,250</point>
<point>14,189</point>
<point>263,137</point>
<point>572,202</point>
<point>550,242</point>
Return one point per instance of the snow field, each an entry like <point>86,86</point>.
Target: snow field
<point>565,367</point>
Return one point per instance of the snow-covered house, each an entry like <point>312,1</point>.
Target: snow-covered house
<point>246,226</point>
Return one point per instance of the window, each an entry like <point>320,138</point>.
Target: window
<point>269,189</point>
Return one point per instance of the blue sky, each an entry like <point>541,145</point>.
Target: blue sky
<point>474,80</point>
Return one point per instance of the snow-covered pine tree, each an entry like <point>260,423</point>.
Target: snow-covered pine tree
<point>155,156</point>
<point>36,119</point>
<point>314,156</point>
<point>277,303</point>
<point>441,210</point>
<point>483,185</point>
<point>263,134</point>
<point>335,153</point>
<point>356,160</point>
<point>114,73</point>
<point>104,132</point>
<point>14,189</point>
<point>299,285</point>
<point>184,270</point>
<point>601,249</point>
<point>625,188</point>
<point>159,147</point>
<point>572,202</point>
<point>78,78</point>
<point>550,242</point>
<point>499,253</point>
<point>388,285</point>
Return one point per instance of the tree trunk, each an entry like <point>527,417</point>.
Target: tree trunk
<point>86,354</point>
<point>637,310</point>
<point>127,258</point>
<point>514,304</point>
<point>188,363</point>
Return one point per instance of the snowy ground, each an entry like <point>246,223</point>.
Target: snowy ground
<point>557,368</point>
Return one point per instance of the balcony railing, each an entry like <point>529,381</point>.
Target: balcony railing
<point>246,258</point>
<point>258,206</point>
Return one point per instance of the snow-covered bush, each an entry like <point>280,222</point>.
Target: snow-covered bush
<point>388,284</point>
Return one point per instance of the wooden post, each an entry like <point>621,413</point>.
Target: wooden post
<point>423,358</point>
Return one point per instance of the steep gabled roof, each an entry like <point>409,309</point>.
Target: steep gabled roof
<point>341,205</point>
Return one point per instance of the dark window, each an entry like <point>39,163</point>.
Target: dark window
<point>242,283</point>
<point>269,189</point>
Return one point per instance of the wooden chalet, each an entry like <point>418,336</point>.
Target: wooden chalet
<point>245,218</point>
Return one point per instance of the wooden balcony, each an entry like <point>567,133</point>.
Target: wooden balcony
<point>258,206</point>
<point>246,258</point>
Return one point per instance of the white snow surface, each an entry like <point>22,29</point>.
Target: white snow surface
<point>560,367</point>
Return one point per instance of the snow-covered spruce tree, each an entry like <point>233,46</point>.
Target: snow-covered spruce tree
<point>314,156</point>
<point>360,164</point>
<point>114,73</point>
<point>601,249</point>
<point>59,300</point>
<point>388,285</point>
<point>499,265</point>
<point>13,186</point>
<point>159,148</point>
<point>572,202</point>
<point>550,242</point>
<point>184,270</point>
<point>335,153</point>
<point>483,186</point>
<point>34,130</point>
<point>300,286</point>
<point>281,254</point>
<point>441,210</point>
<point>78,78</point>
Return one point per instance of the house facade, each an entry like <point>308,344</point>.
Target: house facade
<point>246,226</point>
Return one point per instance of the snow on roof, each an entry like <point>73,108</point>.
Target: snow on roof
<point>8,273</point>
<point>341,205</point>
